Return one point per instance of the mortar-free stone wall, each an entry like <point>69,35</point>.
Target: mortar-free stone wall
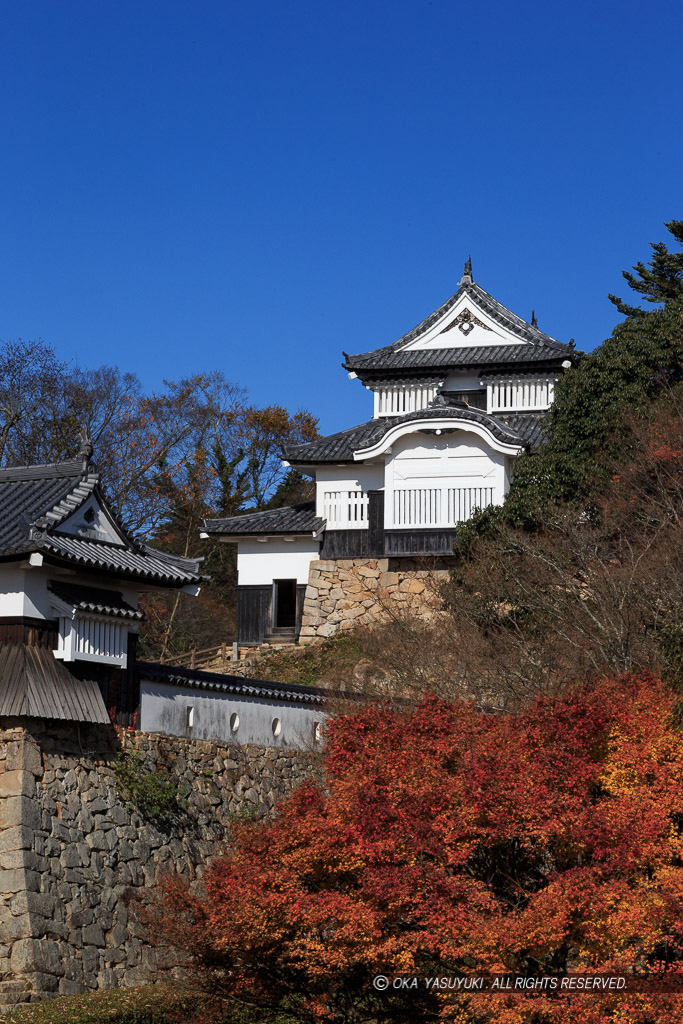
<point>346,593</point>
<point>73,855</point>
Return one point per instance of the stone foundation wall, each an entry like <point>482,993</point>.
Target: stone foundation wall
<point>351,592</point>
<point>73,854</point>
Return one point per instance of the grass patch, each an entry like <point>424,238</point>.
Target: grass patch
<point>148,1004</point>
<point>332,660</point>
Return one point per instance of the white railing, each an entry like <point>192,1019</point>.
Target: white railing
<point>437,506</point>
<point>345,510</point>
<point>505,396</point>
<point>398,400</point>
<point>463,500</point>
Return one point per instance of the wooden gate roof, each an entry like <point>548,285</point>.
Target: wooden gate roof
<point>35,505</point>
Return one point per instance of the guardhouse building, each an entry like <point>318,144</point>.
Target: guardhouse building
<point>70,580</point>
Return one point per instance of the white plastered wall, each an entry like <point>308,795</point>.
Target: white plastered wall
<point>20,596</point>
<point>164,709</point>
<point>24,593</point>
<point>463,382</point>
<point>346,478</point>
<point>460,459</point>
<point>261,562</point>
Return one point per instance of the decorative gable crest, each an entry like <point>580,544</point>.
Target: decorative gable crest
<point>465,321</point>
<point>91,522</point>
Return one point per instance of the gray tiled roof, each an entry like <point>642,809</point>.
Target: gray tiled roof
<point>341,447</point>
<point>537,347</point>
<point>28,494</point>
<point>498,356</point>
<point>34,500</point>
<point>256,689</point>
<point>291,519</point>
<point>411,379</point>
<point>139,561</point>
<point>94,600</point>
<point>532,427</point>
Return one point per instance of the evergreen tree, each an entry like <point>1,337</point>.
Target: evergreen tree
<point>590,417</point>
<point>661,280</point>
<point>294,488</point>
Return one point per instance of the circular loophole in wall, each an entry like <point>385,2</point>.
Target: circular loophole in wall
<point>234,722</point>
<point>277,727</point>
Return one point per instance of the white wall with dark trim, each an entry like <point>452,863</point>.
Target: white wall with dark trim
<point>259,562</point>
<point>184,711</point>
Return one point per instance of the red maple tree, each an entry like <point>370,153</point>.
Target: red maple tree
<point>450,842</point>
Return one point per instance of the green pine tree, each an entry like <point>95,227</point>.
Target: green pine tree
<point>661,280</point>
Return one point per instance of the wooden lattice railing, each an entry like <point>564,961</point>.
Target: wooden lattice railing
<point>220,655</point>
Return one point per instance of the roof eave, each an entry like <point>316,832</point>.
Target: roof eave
<point>512,446</point>
<point>313,463</point>
<point>366,373</point>
<point>236,538</point>
<point>125,575</point>
<point>16,554</point>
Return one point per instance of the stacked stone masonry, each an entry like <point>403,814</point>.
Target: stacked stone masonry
<point>346,593</point>
<point>73,854</point>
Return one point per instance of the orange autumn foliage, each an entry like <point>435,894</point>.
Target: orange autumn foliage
<point>448,841</point>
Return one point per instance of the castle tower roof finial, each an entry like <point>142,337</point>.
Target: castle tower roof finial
<point>86,449</point>
<point>534,321</point>
<point>467,272</point>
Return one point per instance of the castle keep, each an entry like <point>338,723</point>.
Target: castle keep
<point>455,401</point>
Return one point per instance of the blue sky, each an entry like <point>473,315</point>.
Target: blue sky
<point>255,187</point>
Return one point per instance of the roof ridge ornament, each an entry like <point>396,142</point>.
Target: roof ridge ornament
<point>467,272</point>
<point>534,321</point>
<point>86,449</point>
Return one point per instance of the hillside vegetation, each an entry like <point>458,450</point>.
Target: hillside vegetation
<point>581,570</point>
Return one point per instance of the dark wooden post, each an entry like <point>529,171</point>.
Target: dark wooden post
<point>376,524</point>
<point>131,682</point>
